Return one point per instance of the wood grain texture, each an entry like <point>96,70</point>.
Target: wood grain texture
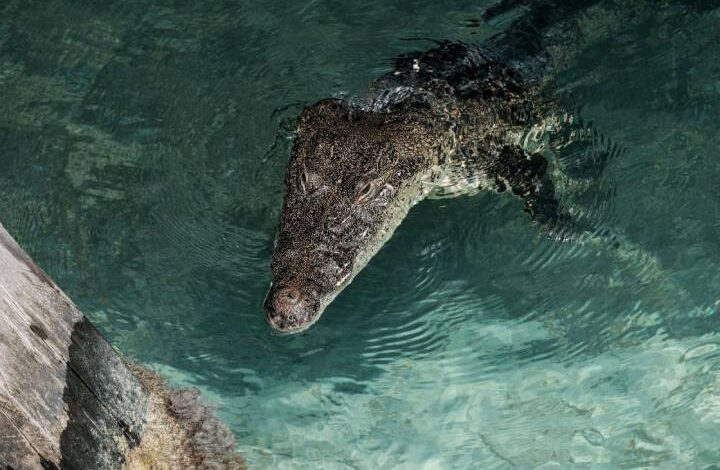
<point>67,399</point>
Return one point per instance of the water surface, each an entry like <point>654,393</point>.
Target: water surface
<point>142,150</point>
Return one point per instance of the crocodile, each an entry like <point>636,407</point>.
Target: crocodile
<point>443,122</point>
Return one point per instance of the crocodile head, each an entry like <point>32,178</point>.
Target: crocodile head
<point>352,177</point>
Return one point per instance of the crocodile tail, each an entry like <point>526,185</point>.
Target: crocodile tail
<point>526,42</point>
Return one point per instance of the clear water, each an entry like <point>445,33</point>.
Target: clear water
<point>142,150</point>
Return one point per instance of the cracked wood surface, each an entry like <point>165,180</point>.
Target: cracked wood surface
<point>67,399</point>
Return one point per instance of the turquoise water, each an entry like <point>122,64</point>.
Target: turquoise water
<point>142,151</point>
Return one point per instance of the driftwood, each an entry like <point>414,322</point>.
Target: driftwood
<point>69,401</point>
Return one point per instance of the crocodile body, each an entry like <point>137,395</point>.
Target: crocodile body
<point>444,122</point>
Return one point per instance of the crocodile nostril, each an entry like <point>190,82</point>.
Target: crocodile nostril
<point>287,308</point>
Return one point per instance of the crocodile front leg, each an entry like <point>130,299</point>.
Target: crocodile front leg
<point>526,175</point>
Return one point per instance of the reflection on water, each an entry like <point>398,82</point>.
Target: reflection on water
<point>142,149</point>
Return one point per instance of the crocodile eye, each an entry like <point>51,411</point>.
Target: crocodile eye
<point>310,183</point>
<point>365,191</point>
<point>303,180</point>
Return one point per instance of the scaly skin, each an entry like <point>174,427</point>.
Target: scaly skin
<point>444,121</point>
<point>356,170</point>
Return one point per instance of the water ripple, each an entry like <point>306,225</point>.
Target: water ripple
<point>143,153</point>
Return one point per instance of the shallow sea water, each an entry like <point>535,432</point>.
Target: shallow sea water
<point>142,151</point>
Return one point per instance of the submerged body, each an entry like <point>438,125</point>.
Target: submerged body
<point>446,121</point>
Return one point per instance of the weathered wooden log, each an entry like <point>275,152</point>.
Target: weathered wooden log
<point>69,401</point>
